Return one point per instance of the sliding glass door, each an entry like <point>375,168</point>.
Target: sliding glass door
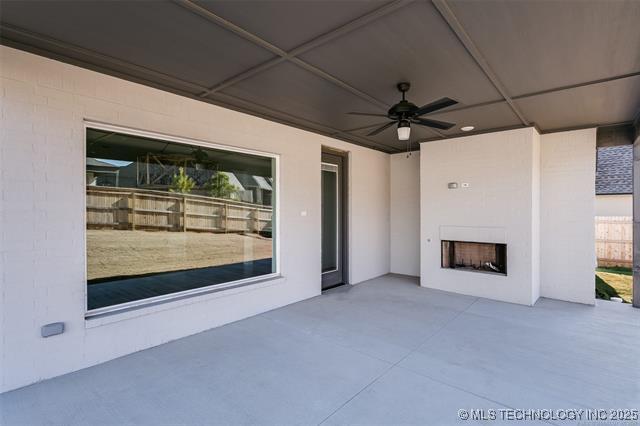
<point>333,220</point>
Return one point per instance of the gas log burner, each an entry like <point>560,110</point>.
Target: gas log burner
<point>475,257</point>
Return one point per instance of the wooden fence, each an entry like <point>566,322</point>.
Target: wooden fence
<point>614,241</point>
<point>123,208</point>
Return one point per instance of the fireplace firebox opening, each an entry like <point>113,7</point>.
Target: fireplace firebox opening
<point>475,257</point>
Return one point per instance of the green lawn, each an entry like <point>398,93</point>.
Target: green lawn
<point>614,282</point>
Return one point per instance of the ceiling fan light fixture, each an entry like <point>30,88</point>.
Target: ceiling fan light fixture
<point>404,130</point>
<point>406,113</point>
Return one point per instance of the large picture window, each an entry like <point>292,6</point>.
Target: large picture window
<point>167,218</point>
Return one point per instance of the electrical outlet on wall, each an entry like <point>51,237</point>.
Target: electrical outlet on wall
<point>464,185</point>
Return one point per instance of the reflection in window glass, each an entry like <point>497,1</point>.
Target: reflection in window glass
<point>329,218</point>
<point>165,217</point>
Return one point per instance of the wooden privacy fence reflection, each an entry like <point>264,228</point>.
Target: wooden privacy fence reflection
<point>614,241</point>
<point>124,208</point>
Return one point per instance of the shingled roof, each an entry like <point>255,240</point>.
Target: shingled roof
<point>614,170</point>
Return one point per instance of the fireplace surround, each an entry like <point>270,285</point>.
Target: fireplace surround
<point>474,256</point>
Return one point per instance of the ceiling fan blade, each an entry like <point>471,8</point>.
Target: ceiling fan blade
<point>367,114</point>
<point>442,125</point>
<point>435,106</point>
<point>381,128</point>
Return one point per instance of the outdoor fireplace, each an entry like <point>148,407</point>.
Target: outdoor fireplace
<point>475,257</point>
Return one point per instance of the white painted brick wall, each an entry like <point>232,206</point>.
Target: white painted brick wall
<point>567,221</point>
<point>405,214</point>
<point>562,189</point>
<point>43,103</point>
<point>500,169</point>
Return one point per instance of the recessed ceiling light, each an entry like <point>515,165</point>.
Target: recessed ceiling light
<point>467,128</point>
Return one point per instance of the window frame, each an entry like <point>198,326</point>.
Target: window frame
<point>165,298</point>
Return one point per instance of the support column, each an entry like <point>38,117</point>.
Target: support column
<point>636,215</point>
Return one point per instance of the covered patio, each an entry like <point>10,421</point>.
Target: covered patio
<point>384,352</point>
<point>312,212</point>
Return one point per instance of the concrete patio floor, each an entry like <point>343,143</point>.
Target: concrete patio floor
<point>382,352</point>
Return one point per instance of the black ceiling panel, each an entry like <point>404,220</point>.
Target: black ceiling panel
<point>289,118</point>
<point>606,103</point>
<point>158,35</point>
<point>288,24</point>
<point>293,90</point>
<point>413,44</point>
<point>540,45</point>
<point>482,118</point>
<point>530,48</point>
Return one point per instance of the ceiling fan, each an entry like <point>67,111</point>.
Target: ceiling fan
<point>404,113</point>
